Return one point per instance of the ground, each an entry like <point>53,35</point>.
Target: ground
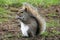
<point>10,30</point>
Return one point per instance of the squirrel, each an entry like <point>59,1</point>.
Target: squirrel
<point>31,22</point>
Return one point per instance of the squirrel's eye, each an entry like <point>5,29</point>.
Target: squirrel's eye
<point>21,12</point>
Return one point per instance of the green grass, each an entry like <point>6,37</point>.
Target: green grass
<point>53,23</point>
<point>34,2</point>
<point>3,14</point>
<point>52,33</point>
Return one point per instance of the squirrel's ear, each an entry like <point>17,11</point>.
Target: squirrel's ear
<point>26,9</point>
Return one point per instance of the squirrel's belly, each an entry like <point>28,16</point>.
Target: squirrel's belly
<point>24,29</point>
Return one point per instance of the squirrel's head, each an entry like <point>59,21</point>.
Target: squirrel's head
<point>23,15</point>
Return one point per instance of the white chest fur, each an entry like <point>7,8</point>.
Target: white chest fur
<point>24,29</point>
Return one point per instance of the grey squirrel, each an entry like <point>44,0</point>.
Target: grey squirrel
<point>31,22</point>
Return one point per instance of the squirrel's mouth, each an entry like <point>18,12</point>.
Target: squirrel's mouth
<point>22,20</point>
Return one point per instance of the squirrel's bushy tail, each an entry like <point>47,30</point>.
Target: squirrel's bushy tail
<point>35,13</point>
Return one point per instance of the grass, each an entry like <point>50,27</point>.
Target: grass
<point>53,23</point>
<point>3,13</point>
<point>34,2</point>
<point>54,32</point>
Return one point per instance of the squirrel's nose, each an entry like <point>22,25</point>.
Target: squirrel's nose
<point>17,17</point>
